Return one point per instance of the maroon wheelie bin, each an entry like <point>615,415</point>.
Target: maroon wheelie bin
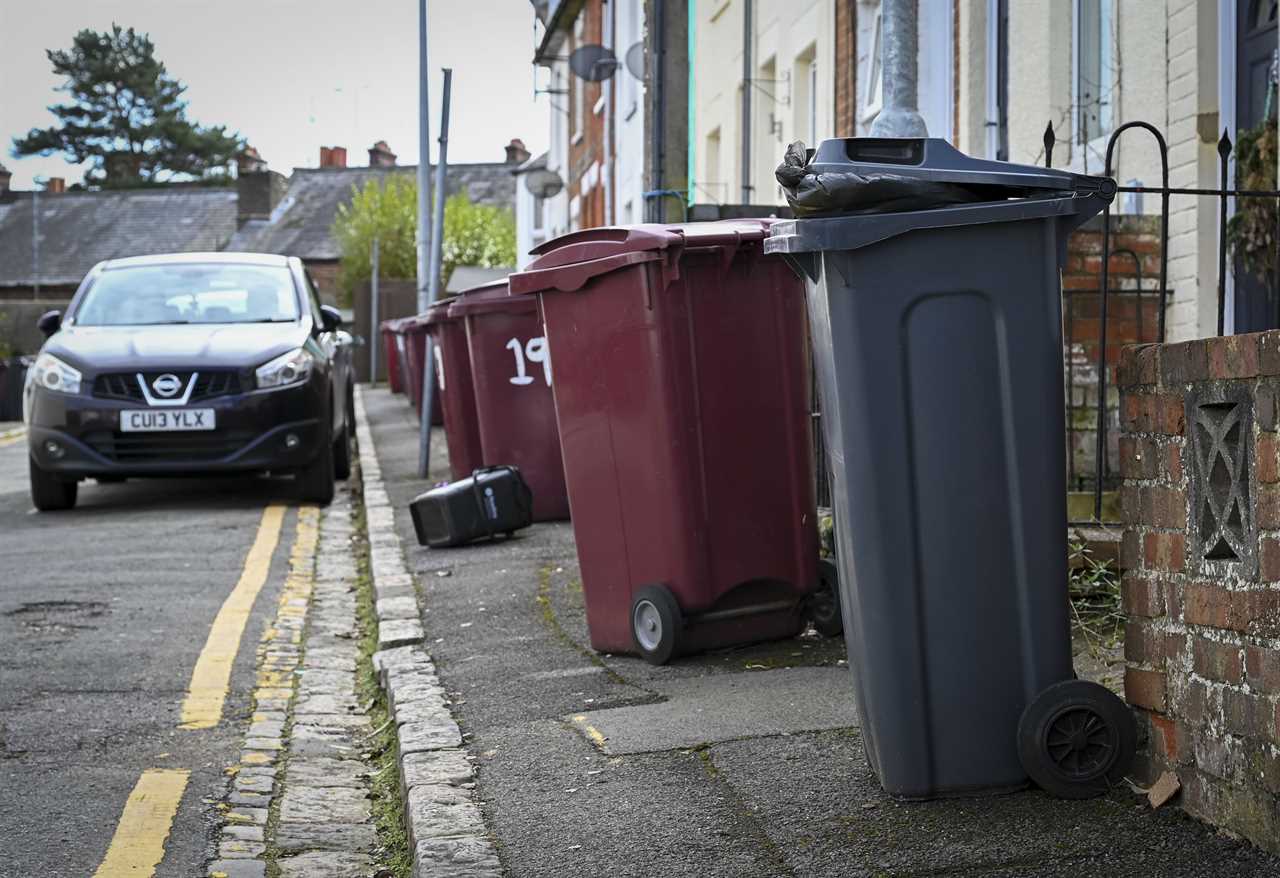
<point>511,372</point>
<point>454,389</point>
<point>682,390</point>
<point>393,352</point>
<point>415,346</point>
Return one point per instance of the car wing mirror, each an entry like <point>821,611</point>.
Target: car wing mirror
<point>331,318</point>
<point>49,322</point>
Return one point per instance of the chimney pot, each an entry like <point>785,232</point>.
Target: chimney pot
<point>249,161</point>
<point>55,185</point>
<point>517,154</point>
<point>381,156</point>
<point>333,157</point>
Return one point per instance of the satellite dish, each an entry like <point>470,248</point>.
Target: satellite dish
<point>543,183</point>
<point>592,63</point>
<point>635,60</point>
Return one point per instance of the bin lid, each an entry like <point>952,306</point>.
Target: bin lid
<point>566,263</point>
<point>487,297</point>
<point>437,311</point>
<point>935,160</point>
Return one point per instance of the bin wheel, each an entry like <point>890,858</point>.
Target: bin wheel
<point>655,623</point>
<point>1076,739</point>
<point>824,604</point>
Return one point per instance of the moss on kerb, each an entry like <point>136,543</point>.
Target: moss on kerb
<point>385,783</point>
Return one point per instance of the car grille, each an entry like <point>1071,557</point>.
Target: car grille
<point>167,447</point>
<point>209,385</point>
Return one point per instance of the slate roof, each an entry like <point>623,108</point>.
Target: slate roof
<point>79,229</point>
<point>300,224</point>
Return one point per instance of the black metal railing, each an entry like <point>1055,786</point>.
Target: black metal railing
<point>1223,193</point>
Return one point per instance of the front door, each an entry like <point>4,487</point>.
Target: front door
<point>1257,304</point>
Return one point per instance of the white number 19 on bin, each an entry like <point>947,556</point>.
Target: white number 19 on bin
<point>536,352</point>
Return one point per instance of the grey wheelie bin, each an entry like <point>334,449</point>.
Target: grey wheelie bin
<point>937,340</point>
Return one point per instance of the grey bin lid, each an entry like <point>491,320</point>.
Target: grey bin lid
<point>985,192</point>
<point>935,160</point>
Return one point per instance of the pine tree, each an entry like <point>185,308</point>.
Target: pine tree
<point>127,116</point>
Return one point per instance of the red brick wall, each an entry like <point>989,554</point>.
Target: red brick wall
<point>846,72</point>
<point>1201,648</point>
<point>1131,318</point>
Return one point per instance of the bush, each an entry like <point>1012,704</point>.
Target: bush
<point>474,234</point>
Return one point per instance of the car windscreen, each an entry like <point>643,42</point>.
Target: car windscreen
<point>152,295</point>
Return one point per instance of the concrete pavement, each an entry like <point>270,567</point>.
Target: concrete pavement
<point>603,765</point>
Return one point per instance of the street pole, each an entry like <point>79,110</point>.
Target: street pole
<point>424,159</point>
<point>373,316</point>
<point>35,238</point>
<point>433,292</point>
<point>899,116</point>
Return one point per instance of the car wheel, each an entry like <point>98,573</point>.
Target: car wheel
<point>342,455</point>
<point>315,481</point>
<point>49,493</point>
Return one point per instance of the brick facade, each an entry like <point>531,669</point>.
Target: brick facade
<point>1200,459</point>
<point>846,69</point>
<point>588,161</point>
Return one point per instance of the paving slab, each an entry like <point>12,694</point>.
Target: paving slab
<point>724,707</point>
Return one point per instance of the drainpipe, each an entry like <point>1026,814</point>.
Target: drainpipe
<point>656,211</point>
<point>746,101</point>
<point>900,116</point>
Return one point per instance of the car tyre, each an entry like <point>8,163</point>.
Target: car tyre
<point>315,482</point>
<point>351,411</point>
<point>342,454</point>
<point>49,493</point>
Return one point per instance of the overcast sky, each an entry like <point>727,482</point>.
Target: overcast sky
<point>292,75</point>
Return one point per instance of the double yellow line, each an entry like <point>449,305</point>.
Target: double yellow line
<point>137,847</point>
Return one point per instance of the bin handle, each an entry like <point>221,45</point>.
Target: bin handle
<point>571,278</point>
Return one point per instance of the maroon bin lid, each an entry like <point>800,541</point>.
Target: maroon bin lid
<point>438,312</point>
<point>491,296</point>
<point>568,262</point>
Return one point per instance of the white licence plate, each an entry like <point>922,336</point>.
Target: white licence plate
<point>166,420</point>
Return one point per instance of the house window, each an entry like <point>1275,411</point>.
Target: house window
<point>873,98</point>
<point>1094,70</point>
<point>538,208</point>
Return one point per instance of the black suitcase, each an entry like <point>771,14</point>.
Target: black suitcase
<point>491,501</point>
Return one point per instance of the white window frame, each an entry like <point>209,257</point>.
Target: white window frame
<point>813,100</point>
<point>873,96</point>
<point>1082,153</point>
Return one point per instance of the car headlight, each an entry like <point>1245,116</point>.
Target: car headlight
<point>291,368</point>
<point>50,373</point>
